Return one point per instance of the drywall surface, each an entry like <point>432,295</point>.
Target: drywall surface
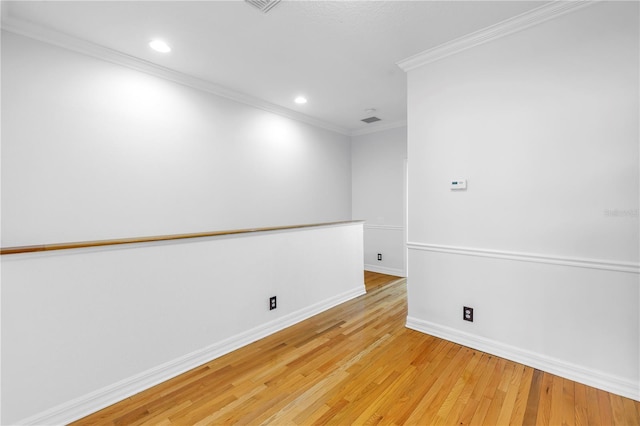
<point>378,197</point>
<point>543,243</point>
<point>84,328</point>
<point>92,150</point>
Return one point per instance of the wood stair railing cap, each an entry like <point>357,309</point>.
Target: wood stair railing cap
<point>119,241</point>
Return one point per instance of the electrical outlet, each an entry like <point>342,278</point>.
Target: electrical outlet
<point>467,313</point>
<point>380,256</point>
<point>272,303</point>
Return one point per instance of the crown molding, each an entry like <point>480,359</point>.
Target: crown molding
<point>37,32</point>
<point>378,128</point>
<point>509,26</point>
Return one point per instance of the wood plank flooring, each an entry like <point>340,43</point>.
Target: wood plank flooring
<point>357,364</point>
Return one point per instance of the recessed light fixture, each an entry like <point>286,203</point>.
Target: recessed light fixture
<point>300,100</point>
<point>160,46</point>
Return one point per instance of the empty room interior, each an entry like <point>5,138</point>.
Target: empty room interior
<point>320,212</point>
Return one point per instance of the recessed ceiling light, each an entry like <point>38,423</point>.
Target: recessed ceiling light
<point>160,46</point>
<point>300,100</point>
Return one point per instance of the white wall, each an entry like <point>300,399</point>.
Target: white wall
<point>544,242</point>
<point>82,329</point>
<point>93,150</point>
<point>378,197</point>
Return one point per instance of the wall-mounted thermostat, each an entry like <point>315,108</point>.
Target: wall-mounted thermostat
<point>458,184</point>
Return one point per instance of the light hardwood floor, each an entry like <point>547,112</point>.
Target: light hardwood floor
<point>358,364</point>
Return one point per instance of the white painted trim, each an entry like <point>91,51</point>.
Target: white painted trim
<point>27,29</point>
<point>509,26</point>
<point>607,265</point>
<point>614,384</point>
<point>384,270</point>
<point>385,227</point>
<point>375,128</point>
<point>94,401</point>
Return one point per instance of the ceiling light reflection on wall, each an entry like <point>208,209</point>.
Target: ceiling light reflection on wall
<point>160,46</point>
<point>300,100</point>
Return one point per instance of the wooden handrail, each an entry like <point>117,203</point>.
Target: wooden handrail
<point>99,243</point>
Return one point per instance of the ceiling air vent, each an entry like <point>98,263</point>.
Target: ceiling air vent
<point>263,5</point>
<point>370,120</point>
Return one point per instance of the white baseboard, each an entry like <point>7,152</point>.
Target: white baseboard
<point>598,379</point>
<point>384,270</point>
<point>97,400</point>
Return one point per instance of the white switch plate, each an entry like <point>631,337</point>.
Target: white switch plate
<point>458,184</point>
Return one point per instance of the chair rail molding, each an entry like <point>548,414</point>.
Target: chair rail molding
<point>607,265</point>
<point>385,227</point>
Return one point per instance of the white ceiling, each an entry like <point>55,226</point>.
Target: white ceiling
<point>341,55</point>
